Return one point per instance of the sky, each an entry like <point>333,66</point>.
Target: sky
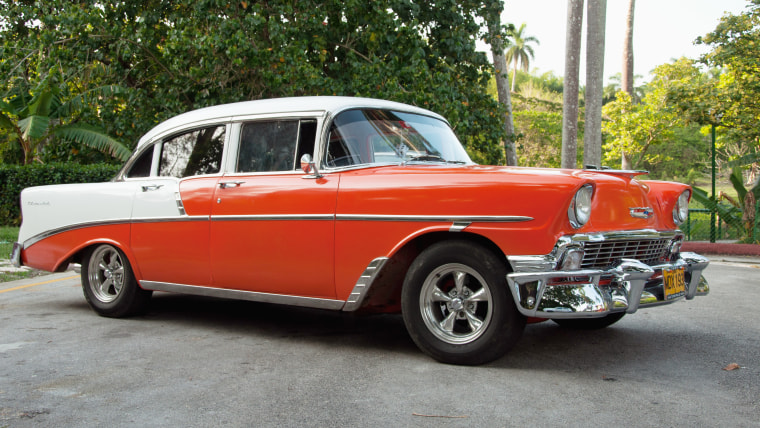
<point>663,30</point>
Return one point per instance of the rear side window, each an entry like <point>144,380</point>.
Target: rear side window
<point>197,152</point>
<point>275,145</point>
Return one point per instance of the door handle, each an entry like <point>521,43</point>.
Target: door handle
<point>151,187</point>
<point>228,184</point>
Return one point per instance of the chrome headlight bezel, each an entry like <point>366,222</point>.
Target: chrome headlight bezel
<point>681,209</point>
<point>579,211</point>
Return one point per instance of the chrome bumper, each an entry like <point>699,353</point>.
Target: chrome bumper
<point>16,254</point>
<point>626,287</point>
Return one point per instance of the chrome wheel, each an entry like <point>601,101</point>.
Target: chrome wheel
<point>456,303</point>
<point>106,273</point>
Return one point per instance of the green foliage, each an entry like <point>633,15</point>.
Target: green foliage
<point>736,94</point>
<point>8,235</point>
<point>679,158</point>
<point>38,117</point>
<point>174,56</point>
<point>14,178</point>
<point>737,214</point>
<point>637,128</point>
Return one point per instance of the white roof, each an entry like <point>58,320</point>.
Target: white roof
<point>330,105</point>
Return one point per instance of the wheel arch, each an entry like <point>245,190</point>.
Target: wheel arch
<point>385,293</point>
<point>76,255</point>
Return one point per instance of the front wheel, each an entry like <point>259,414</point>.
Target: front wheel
<point>109,285</point>
<point>456,304</point>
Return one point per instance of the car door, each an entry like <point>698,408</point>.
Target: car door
<point>171,209</point>
<point>272,228</point>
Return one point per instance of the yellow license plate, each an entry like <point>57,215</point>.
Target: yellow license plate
<point>674,284</point>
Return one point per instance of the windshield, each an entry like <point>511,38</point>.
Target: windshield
<point>373,136</point>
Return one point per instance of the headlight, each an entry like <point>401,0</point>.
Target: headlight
<point>580,208</point>
<point>681,210</point>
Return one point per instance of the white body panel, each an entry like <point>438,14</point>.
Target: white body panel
<point>51,208</point>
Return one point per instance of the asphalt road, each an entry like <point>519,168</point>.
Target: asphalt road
<point>195,361</point>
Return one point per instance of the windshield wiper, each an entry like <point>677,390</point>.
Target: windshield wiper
<point>426,157</point>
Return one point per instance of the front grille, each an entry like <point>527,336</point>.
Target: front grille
<point>601,255</point>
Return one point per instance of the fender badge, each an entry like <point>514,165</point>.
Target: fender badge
<point>641,212</point>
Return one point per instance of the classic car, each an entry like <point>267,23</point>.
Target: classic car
<point>354,204</point>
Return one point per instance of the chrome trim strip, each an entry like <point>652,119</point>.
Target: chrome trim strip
<point>434,218</point>
<point>459,223</point>
<point>356,298</point>
<point>52,232</point>
<point>621,235</point>
<point>308,302</point>
<point>180,205</point>
<point>641,212</point>
<point>48,233</point>
<point>273,217</point>
<point>459,226</point>
<point>169,219</point>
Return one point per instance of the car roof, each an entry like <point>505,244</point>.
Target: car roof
<point>327,104</point>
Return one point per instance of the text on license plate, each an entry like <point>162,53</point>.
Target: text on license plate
<point>674,284</point>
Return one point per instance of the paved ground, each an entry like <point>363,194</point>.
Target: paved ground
<point>207,362</point>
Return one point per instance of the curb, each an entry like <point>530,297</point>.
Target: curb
<point>722,248</point>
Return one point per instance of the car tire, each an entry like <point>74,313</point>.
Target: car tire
<point>109,284</point>
<point>456,304</point>
<point>590,323</point>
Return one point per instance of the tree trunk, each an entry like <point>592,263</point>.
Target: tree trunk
<point>570,93</point>
<point>502,89</point>
<point>595,34</point>
<point>626,83</point>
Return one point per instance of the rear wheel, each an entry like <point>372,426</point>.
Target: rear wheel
<point>109,285</point>
<point>590,323</point>
<point>456,304</point>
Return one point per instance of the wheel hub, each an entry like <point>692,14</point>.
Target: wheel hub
<point>457,304</point>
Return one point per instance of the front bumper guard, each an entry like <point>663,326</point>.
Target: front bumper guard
<point>626,287</point>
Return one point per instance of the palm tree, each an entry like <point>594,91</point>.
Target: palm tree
<point>40,116</point>
<point>496,40</point>
<point>520,51</point>
<point>572,83</point>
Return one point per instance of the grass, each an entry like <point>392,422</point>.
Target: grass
<point>8,236</point>
<point>14,276</point>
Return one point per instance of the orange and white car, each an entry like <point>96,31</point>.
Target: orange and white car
<point>357,204</point>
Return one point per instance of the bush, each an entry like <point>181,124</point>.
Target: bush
<point>14,178</point>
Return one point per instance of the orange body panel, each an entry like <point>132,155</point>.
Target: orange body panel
<point>174,252</point>
<point>256,246</point>
<point>51,253</point>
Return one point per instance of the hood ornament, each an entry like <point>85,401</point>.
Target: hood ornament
<point>641,212</point>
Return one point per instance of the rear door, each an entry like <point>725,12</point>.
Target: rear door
<point>171,210</point>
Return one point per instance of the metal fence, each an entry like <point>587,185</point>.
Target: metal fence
<point>703,225</point>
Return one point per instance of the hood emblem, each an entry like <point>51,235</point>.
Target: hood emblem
<point>641,212</point>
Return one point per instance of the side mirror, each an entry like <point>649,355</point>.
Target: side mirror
<point>309,166</point>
